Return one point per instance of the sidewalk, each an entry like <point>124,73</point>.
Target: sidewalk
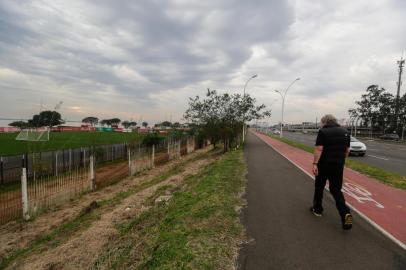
<point>381,205</point>
<point>282,232</point>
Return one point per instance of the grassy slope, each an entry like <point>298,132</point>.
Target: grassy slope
<point>63,140</point>
<point>386,177</point>
<point>198,229</point>
<point>84,220</point>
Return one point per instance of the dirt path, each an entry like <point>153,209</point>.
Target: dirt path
<point>107,175</point>
<point>17,235</point>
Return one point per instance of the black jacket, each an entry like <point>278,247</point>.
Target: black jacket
<point>335,141</point>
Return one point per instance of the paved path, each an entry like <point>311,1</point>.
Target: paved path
<point>383,205</point>
<point>287,236</point>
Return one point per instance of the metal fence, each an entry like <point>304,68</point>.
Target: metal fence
<point>36,181</point>
<point>55,162</point>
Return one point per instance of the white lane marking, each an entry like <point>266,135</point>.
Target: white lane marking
<point>359,193</point>
<point>378,157</point>
<point>367,219</point>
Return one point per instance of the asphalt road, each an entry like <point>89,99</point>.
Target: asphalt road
<point>285,235</point>
<point>387,156</point>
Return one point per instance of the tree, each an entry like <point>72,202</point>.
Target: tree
<point>19,124</point>
<point>176,125</point>
<point>152,139</point>
<point>50,118</point>
<point>376,106</point>
<point>90,120</point>
<point>166,124</point>
<point>126,124</point>
<point>35,121</point>
<point>115,121</point>
<point>221,117</point>
<point>145,124</point>
<point>176,134</point>
<point>402,113</point>
<point>46,118</point>
<point>110,122</point>
<point>105,122</point>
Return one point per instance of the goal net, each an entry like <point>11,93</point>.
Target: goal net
<point>34,135</point>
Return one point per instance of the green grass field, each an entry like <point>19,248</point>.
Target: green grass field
<point>62,140</point>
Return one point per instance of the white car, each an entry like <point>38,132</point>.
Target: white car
<point>357,148</point>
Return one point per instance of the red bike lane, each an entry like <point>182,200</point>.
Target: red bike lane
<point>381,205</point>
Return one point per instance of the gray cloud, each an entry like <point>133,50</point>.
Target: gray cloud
<point>146,57</point>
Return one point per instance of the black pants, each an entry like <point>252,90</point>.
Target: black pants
<point>334,174</point>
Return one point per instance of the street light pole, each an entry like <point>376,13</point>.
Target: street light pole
<point>283,102</point>
<point>283,108</point>
<point>243,121</point>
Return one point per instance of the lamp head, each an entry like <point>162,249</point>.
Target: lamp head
<point>254,76</point>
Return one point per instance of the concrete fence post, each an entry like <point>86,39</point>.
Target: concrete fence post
<point>24,190</point>
<point>153,156</point>
<point>112,153</point>
<point>129,161</point>
<point>70,159</point>
<point>63,161</point>
<point>81,158</point>
<point>189,145</point>
<point>1,171</point>
<point>92,176</point>
<point>56,163</point>
<point>84,157</point>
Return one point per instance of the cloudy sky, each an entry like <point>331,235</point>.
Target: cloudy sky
<point>142,59</point>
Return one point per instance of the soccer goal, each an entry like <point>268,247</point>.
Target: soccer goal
<point>35,135</point>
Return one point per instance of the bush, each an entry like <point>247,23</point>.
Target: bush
<point>152,139</point>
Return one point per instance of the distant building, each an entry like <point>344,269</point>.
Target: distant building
<point>143,130</point>
<point>304,126</point>
<point>9,129</point>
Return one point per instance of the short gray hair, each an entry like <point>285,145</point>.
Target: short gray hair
<point>329,119</point>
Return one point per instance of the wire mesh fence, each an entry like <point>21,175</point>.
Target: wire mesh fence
<point>55,162</point>
<point>139,159</point>
<point>46,191</point>
<point>36,181</point>
<point>10,203</point>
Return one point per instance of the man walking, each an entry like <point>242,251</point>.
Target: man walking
<point>332,147</point>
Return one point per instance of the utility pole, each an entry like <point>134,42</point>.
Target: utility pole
<point>401,63</point>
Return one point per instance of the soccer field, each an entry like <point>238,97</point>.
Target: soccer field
<point>63,140</point>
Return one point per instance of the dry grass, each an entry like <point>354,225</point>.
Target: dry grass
<point>198,229</point>
<point>55,233</point>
